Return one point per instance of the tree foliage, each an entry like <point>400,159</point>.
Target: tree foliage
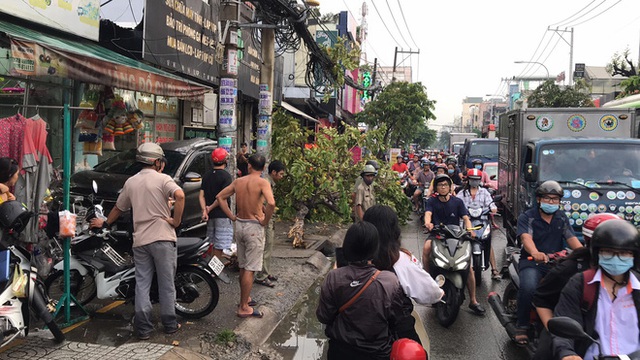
<point>550,95</point>
<point>321,174</point>
<point>443,141</point>
<point>630,86</point>
<point>403,109</point>
<point>620,64</point>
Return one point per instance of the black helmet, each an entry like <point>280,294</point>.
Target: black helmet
<point>14,216</point>
<point>373,163</point>
<point>549,187</point>
<point>615,234</point>
<point>452,160</point>
<point>476,161</point>
<point>440,178</point>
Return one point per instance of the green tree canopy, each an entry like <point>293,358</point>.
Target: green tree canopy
<point>550,95</point>
<point>620,64</point>
<point>403,109</point>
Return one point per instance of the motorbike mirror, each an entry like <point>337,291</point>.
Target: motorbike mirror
<point>497,198</point>
<point>567,327</point>
<point>440,280</point>
<point>94,185</point>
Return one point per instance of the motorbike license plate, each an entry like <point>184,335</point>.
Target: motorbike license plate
<point>216,265</point>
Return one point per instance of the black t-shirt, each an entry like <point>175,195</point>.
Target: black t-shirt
<point>447,213</point>
<point>212,184</point>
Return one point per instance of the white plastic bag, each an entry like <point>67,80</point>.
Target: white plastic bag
<point>67,224</point>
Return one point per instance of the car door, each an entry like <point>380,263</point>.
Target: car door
<point>191,180</point>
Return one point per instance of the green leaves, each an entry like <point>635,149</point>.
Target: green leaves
<point>550,95</point>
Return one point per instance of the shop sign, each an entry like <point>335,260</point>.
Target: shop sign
<point>31,59</point>
<point>325,39</point>
<point>167,106</point>
<point>228,95</point>
<point>192,132</point>
<point>183,35</point>
<point>166,130</point>
<point>79,17</point>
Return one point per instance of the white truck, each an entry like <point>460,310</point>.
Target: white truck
<point>592,152</point>
<point>456,141</point>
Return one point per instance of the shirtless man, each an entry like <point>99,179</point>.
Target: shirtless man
<point>252,192</point>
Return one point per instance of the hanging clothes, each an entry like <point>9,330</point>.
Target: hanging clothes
<point>36,175</point>
<point>12,136</point>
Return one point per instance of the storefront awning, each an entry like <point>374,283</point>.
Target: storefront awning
<point>298,112</point>
<point>36,53</point>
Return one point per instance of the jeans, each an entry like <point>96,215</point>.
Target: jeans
<point>159,257</point>
<point>530,276</point>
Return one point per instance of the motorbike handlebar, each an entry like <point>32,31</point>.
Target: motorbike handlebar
<point>553,257</point>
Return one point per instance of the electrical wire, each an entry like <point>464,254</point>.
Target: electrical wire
<point>576,13</point>
<point>384,23</point>
<point>598,14</point>
<point>396,23</point>
<point>530,62</point>
<point>409,30</point>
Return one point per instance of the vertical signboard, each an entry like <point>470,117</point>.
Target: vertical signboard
<point>228,94</point>
<point>325,39</point>
<point>183,35</point>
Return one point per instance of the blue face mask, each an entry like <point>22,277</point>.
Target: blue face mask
<point>450,171</point>
<point>432,162</point>
<point>615,266</point>
<point>549,208</point>
<point>479,167</point>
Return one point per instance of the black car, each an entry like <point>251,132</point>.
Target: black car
<point>187,162</point>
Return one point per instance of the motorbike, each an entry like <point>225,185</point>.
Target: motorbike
<point>506,307</point>
<point>481,244</point>
<point>450,257</point>
<point>569,328</point>
<point>22,293</point>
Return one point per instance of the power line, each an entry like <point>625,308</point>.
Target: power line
<point>598,14</point>
<point>407,26</point>
<point>396,23</point>
<point>383,23</point>
<point>579,11</point>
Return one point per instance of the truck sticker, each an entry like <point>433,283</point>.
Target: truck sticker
<point>571,222</point>
<point>544,123</point>
<point>579,222</point>
<point>629,209</point>
<point>576,122</point>
<point>593,208</point>
<point>621,195</point>
<point>575,206</point>
<point>608,123</point>
<point>584,207</point>
<point>636,209</point>
<point>584,216</point>
<point>566,193</point>
<point>636,218</point>
<point>631,195</point>
<point>575,215</point>
<point>576,193</point>
<point>611,195</point>
<point>567,206</point>
<point>594,196</point>
<point>602,208</point>
<point>613,207</point>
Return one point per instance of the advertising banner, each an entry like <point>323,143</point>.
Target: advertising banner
<point>228,95</point>
<point>79,17</point>
<point>32,59</point>
<point>183,35</point>
<point>166,130</point>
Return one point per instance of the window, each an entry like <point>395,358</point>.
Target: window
<point>198,165</point>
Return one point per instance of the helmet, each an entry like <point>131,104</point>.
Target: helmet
<point>476,161</point>
<point>399,156</point>
<point>441,166</point>
<point>407,349</point>
<point>452,160</point>
<point>549,187</point>
<point>14,216</point>
<point>425,163</point>
<point>474,174</point>
<point>369,169</point>
<point>615,234</point>
<point>148,153</point>
<point>592,223</point>
<point>440,178</point>
<point>219,156</point>
<point>374,163</point>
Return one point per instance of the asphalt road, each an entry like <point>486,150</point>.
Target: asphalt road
<point>471,336</point>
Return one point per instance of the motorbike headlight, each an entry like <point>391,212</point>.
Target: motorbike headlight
<point>461,266</point>
<point>486,232</point>
<point>440,263</point>
<point>439,255</point>
<point>464,257</point>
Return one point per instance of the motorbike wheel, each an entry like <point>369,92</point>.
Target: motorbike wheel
<point>510,299</point>
<point>82,288</point>
<point>197,293</point>
<point>447,312</point>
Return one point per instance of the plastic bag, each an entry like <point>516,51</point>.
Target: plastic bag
<point>19,283</point>
<point>92,148</point>
<point>108,141</point>
<point>67,223</point>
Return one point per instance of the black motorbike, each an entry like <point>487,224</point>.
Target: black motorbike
<point>481,244</point>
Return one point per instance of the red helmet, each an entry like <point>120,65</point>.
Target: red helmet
<point>219,156</point>
<point>474,174</point>
<point>441,166</point>
<point>407,349</point>
<point>591,223</point>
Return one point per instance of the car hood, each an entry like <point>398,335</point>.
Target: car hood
<point>109,185</point>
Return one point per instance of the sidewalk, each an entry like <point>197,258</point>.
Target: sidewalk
<point>297,269</point>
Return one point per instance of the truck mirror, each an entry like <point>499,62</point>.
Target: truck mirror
<point>530,172</point>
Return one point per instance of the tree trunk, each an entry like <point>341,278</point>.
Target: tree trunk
<point>297,230</point>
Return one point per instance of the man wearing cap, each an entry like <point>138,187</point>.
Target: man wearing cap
<point>365,198</point>
<point>154,236</point>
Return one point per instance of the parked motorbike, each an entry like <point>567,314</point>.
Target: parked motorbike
<point>506,307</point>
<point>569,328</point>
<point>481,244</point>
<point>22,290</point>
<point>450,257</point>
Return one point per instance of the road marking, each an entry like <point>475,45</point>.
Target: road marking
<point>113,305</point>
<point>74,326</point>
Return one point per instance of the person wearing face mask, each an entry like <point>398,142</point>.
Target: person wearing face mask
<point>477,164</point>
<point>365,197</point>
<point>612,293</point>
<point>542,230</point>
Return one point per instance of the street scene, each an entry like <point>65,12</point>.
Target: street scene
<point>319,179</point>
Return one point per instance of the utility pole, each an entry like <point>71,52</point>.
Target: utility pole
<point>395,59</point>
<point>227,119</point>
<point>373,78</point>
<point>570,43</point>
<point>265,106</point>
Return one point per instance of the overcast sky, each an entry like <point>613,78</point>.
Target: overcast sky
<point>468,46</point>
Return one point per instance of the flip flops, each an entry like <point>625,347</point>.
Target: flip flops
<point>495,275</point>
<point>521,337</point>
<point>255,314</point>
<point>265,282</point>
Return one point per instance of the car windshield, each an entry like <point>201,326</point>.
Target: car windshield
<point>488,149</point>
<point>125,163</point>
<point>591,163</point>
<point>456,148</point>
<point>491,170</point>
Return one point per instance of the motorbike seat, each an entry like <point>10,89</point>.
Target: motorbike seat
<point>188,244</point>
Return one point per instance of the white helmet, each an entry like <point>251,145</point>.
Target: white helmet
<point>148,153</point>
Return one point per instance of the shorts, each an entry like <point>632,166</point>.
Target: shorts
<point>250,241</point>
<point>220,232</point>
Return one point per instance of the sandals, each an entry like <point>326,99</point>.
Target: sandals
<point>521,338</point>
<point>265,282</point>
<point>495,275</point>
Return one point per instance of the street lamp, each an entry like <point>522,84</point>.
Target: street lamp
<point>533,62</point>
